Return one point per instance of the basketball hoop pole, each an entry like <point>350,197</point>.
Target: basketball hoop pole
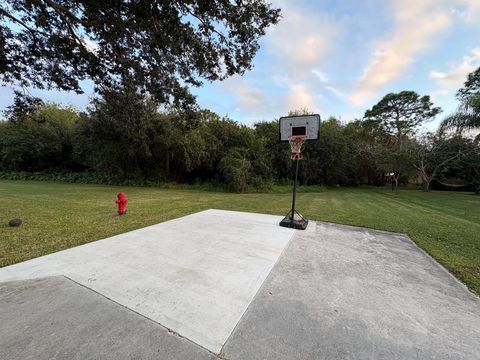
<point>296,144</point>
<point>294,196</point>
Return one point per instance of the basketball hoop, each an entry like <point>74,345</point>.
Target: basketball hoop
<point>297,144</point>
<point>296,130</point>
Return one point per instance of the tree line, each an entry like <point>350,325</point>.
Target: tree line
<point>123,135</point>
<point>136,64</point>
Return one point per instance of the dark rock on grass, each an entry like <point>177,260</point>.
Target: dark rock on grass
<point>15,222</point>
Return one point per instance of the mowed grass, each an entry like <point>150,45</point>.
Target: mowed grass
<point>58,216</point>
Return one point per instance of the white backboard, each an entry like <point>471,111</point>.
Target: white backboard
<point>306,125</point>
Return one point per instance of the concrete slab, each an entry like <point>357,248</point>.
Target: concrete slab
<point>195,275</point>
<point>55,318</point>
<point>341,292</point>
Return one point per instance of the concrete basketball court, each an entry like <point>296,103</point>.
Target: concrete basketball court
<point>230,285</point>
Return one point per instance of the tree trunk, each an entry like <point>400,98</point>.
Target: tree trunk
<point>426,180</point>
<point>426,185</point>
<point>167,165</point>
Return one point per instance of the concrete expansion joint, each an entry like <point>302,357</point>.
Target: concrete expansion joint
<point>170,331</point>
<point>221,356</point>
<point>241,250</point>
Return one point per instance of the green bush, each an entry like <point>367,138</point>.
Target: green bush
<point>235,170</point>
<point>85,177</point>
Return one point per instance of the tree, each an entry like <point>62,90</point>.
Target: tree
<point>468,166</point>
<point>161,47</point>
<point>397,163</point>
<point>467,116</point>
<point>39,140</point>
<point>471,163</point>
<point>118,133</point>
<point>471,86</point>
<point>277,153</point>
<point>180,145</point>
<point>326,160</point>
<point>432,154</point>
<point>23,106</point>
<point>399,115</point>
<point>370,146</point>
<point>402,113</point>
<point>235,170</point>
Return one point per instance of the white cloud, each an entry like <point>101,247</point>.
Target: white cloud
<point>457,74</point>
<point>297,47</point>
<point>469,10</point>
<point>438,94</point>
<point>281,80</point>
<point>335,91</point>
<point>301,40</point>
<point>300,43</point>
<point>247,97</point>
<point>417,24</point>
<point>301,47</point>
<point>321,75</point>
<point>300,97</point>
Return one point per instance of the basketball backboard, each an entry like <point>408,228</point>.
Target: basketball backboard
<point>303,125</point>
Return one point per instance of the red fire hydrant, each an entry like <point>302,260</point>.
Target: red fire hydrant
<point>122,202</point>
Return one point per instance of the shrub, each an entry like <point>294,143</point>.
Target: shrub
<point>235,170</point>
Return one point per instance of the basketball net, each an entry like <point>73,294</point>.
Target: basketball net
<point>297,143</point>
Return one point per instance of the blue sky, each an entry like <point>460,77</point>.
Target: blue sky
<point>339,58</point>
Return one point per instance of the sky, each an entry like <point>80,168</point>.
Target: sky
<point>340,57</point>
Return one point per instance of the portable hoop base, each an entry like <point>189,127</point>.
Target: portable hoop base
<point>298,222</point>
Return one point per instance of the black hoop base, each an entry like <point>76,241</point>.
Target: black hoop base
<point>295,222</point>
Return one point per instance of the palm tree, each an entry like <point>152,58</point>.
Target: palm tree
<point>467,116</point>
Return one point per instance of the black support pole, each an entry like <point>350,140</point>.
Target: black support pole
<point>294,197</point>
<point>289,220</point>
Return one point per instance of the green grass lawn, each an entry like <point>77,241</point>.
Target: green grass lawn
<point>58,216</point>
